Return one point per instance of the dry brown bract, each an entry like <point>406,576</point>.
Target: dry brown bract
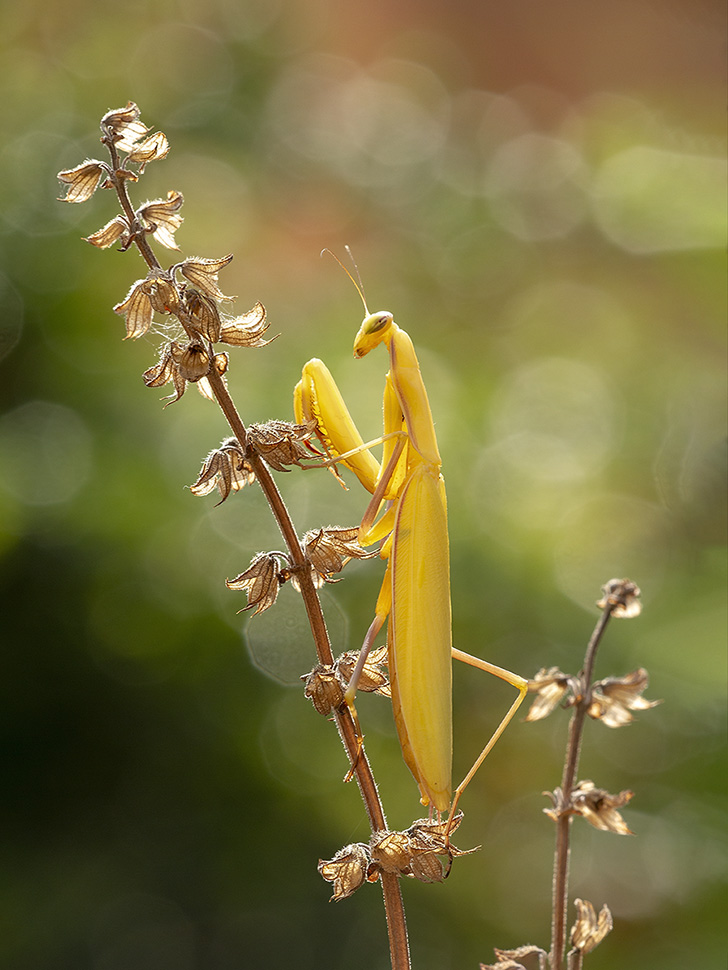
<point>614,698</point>
<point>596,805</point>
<point>589,929</point>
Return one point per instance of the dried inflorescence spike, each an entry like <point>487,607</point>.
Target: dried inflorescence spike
<point>589,929</point>
<point>622,596</point>
<point>614,698</point>
<point>83,180</point>
<point>347,870</point>
<point>280,443</point>
<point>511,959</point>
<point>226,468</point>
<point>261,580</point>
<point>550,686</point>
<point>203,273</point>
<point>161,218</point>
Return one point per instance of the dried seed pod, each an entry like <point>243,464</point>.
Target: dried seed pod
<point>324,689</point>
<point>372,678</point>
<point>614,698</point>
<point>330,549</point>
<point>347,870</point>
<point>260,580</point>
<point>226,468</point>
<point>623,596</point>
<point>280,443</point>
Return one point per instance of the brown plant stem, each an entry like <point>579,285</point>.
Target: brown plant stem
<point>562,851</point>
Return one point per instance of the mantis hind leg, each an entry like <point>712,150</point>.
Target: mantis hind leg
<point>510,678</point>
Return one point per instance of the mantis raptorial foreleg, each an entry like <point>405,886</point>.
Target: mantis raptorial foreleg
<point>415,594</point>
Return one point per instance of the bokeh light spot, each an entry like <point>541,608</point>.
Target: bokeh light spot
<point>279,641</point>
<point>647,200</point>
<point>45,453</point>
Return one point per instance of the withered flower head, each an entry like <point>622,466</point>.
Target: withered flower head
<point>614,698</point>
<point>428,841</point>
<point>124,126</point>
<point>226,468</point>
<point>599,808</point>
<point>372,679</point>
<point>391,851</point>
<point>347,870</point>
<point>246,330</point>
<point>156,292</point>
<point>511,959</point>
<point>549,686</point>
<point>202,273</point>
<point>280,443</point>
<point>261,581</point>
<point>192,360</point>
<point>179,364</point>
<point>161,217</point>
<point>149,150</point>
<point>414,852</point>
<point>623,596</point>
<point>200,313</point>
<point>116,229</point>
<point>83,180</point>
<point>589,930</point>
<point>163,372</point>
<point>329,550</point>
<point>324,689</point>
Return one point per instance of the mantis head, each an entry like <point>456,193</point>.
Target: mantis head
<point>375,328</point>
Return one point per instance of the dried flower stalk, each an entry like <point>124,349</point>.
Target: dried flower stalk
<point>190,292</point>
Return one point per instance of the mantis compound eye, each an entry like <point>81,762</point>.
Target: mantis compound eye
<point>378,321</point>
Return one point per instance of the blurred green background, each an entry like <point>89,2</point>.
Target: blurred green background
<point>538,193</point>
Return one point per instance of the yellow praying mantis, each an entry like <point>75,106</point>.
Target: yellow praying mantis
<point>409,491</point>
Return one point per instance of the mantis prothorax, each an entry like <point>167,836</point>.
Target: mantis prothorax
<point>415,593</point>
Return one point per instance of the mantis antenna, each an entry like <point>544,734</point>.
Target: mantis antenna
<point>357,282</point>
